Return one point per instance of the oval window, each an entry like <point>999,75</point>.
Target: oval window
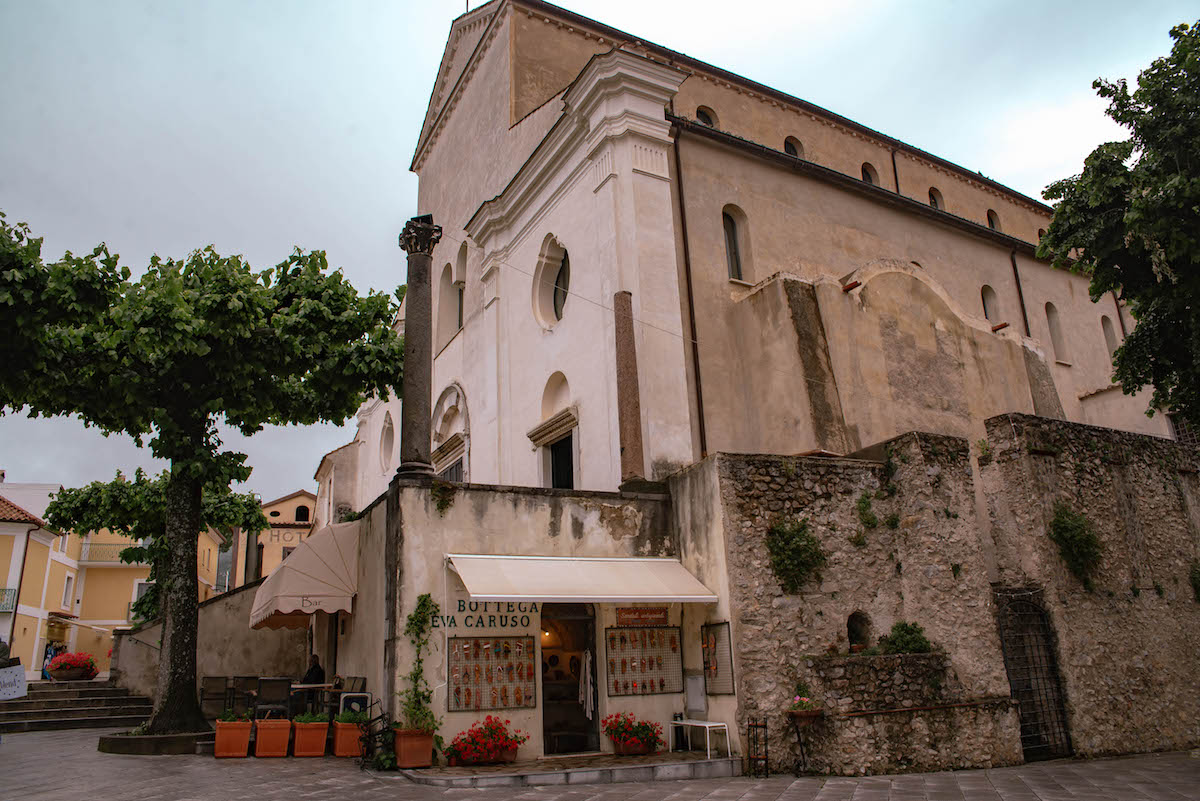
<point>562,285</point>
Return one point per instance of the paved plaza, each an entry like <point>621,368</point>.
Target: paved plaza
<point>57,765</point>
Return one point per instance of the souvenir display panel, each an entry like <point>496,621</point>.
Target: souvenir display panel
<point>644,661</point>
<point>718,659</point>
<point>491,673</point>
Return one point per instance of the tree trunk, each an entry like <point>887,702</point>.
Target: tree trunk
<point>176,708</point>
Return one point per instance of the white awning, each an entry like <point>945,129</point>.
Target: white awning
<point>578,578</point>
<point>321,575</point>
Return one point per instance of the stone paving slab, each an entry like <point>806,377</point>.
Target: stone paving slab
<point>50,766</point>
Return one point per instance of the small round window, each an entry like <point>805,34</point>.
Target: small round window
<point>562,286</point>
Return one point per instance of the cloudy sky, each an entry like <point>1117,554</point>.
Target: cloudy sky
<point>260,126</point>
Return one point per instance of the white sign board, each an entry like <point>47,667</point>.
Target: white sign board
<point>12,682</point>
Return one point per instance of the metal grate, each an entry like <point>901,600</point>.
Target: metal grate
<point>758,748</point>
<point>718,659</point>
<point>1183,432</point>
<point>1029,659</point>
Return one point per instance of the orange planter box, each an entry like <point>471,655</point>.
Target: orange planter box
<point>310,739</point>
<point>233,738</point>
<point>414,749</point>
<point>271,737</point>
<point>347,740</point>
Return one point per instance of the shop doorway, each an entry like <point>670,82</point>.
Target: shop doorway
<point>569,679</point>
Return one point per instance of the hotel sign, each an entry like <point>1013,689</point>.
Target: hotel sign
<point>641,616</point>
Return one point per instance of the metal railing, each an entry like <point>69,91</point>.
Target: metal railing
<point>8,600</point>
<point>102,551</point>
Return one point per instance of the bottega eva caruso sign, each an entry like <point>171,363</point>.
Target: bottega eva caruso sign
<point>489,615</point>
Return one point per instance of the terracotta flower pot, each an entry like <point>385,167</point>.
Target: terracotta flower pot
<point>509,756</point>
<point>310,739</point>
<point>271,737</point>
<point>804,717</point>
<point>414,749</point>
<point>347,740</point>
<point>631,749</point>
<point>233,738</point>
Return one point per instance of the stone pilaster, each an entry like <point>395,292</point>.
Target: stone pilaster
<point>629,401</point>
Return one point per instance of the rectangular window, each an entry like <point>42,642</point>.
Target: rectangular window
<point>287,552</point>
<point>66,602</point>
<point>459,292</point>
<point>143,587</point>
<point>562,463</point>
<point>453,473</point>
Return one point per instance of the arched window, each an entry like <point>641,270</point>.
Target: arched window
<point>935,199</point>
<point>869,174</point>
<point>993,220</point>
<point>706,116</point>
<point>449,308</point>
<point>858,630</point>
<point>793,148</point>
<point>733,250</point>
<point>387,442</point>
<point>1110,335</point>
<point>991,304</point>
<point>301,514</point>
<point>1041,233</point>
<point>1056,336</point>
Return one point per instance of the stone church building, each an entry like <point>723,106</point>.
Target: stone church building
<point>673,308</point>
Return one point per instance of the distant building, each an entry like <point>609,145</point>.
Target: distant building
<point>291,521</point>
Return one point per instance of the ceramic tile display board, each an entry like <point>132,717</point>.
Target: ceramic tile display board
<point>491,673</point>
<point>718,659</point>
<point>644,661</point>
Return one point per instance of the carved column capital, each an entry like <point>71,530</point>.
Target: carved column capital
<point>420,235</point>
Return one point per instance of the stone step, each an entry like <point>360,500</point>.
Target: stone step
<point>53,724</point>
<point>25,704</point>
<point>665,771</point>
<point>7,716</point>
<point>77,692</point>
<point>37,686</point>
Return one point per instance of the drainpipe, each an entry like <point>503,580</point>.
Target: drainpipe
<point>1020,295</point>
<point>687,274</point>
<point>895,172</point>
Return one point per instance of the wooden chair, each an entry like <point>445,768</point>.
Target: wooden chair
<point>214,695</point>
<point>274,695</point>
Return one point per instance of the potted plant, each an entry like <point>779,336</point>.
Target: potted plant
<point>271,737</point>
<point>347,734</point>
<point>72,667</point>
<point>233,734</point>
<point>632,736</point>
<point>312,729</point>
<point>803,709</point>
<point>415,731</point>
<point>487,741</point>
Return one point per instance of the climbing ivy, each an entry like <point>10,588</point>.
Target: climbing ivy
<point>415,710</point>
<point>1077,543</point>
<point>795,553</point>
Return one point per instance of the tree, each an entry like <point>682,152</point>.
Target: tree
<point>165,358</point>
<point>137,509</point>
<point>1131,222</point>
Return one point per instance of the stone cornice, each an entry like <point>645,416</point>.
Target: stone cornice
<point>555,428</point>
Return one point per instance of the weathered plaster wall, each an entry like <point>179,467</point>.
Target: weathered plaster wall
<point>927,569</point>
<point>1129,651</point>
<point>225,646</point>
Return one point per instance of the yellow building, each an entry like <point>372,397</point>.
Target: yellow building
<point>70,591</point>
<point>291,521</point>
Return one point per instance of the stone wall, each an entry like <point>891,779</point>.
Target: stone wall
<point>1129,650</point>
<point>899,535</point>
<point>225,646</point>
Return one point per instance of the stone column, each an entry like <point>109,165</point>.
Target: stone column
<point>418,239</point>
<point>629,402</point>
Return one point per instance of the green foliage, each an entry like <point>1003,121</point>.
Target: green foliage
<point>1158,589</point>
<point>865,515</point>
<point>165,359</point>
<point>956,568</point>
<point>311,717</point>
<point>443,495</point>
<point>858,539</point>
<point>905,638</point>
<point>137,509</point>
<point>415,710</point>
<point>351,716</point>
<point>1077,543</point>
<point>796,554</point>
<point>384,760</point>
<point>230,715</point>
<point>985,450</point>
<point>1131,222</point>
<point>1135,591</point>
<point>892,521</point>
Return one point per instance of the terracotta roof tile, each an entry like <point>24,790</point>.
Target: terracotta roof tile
<point>11,513</point>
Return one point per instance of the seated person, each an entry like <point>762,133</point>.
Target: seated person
<point>315,674</point>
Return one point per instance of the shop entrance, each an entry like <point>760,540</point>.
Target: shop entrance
<point>569,679</point>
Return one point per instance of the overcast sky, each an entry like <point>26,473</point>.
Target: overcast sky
<point>259,126</point>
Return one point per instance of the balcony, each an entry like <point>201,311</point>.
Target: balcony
<point>104,552</point>
<point>8,600</point>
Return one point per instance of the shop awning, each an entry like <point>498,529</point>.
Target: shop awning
<point>321,575</point>
<point>567,579</point>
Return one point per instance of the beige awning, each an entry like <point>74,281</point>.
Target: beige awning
<point>321,575</point>
<point>581,578</point>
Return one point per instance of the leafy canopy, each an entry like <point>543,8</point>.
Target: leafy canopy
<point>1131,222</point>
<point>138,509</point>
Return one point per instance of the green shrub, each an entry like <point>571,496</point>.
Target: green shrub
<point>905,638</point>
<point>796,555</point>
<point>1077,543</point>
<point>892,521</point>
<point>229,716</point>
<point>865,514</point>
<point>858,540</point>
<point>351,716</point>
<point>311,717</point>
